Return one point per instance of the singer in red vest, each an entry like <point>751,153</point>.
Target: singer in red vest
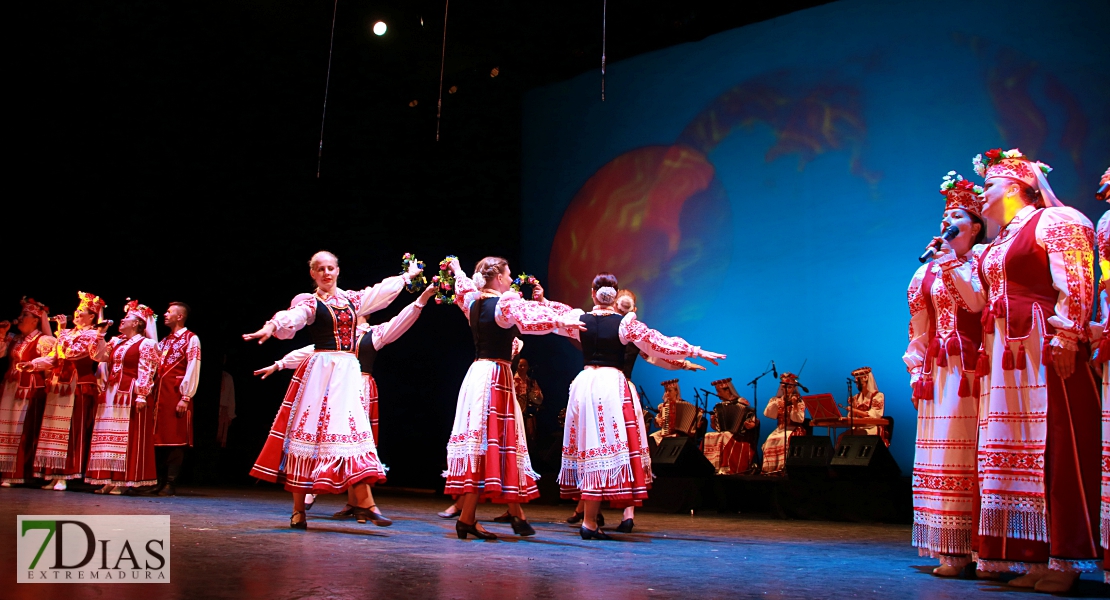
<point>24,393</point>
<point>178,377</point>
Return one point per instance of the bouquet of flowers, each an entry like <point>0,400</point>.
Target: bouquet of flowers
<point>446,282</point>
<point>416,284</point>
<point>524,279</point>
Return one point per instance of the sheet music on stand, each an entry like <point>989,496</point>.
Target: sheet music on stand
<point>822,406</point>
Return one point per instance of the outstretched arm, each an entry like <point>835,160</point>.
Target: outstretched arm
<point>388,332</point>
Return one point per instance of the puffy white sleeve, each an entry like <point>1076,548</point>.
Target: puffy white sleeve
<point>377,297</point>
<point>1068,237</point>
<point>798,412</point>
<point>774,405</point>
<point>149,359</point>
<point>191,379</point>
<point>653,343</point>
<point>531,318</point>
<point>301,312</point>
<point>388,332</point>
<point>961,279</point>
<point>919,324</point>
<point>664,363</point>
<point>47,360</point>
<point>518,345</point>
<point>466,292</point>
<point>296,357</point>
<point>878,405</point>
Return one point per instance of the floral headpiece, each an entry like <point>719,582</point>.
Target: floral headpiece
<point>142,310</point>
<point>90,302</point>
<point>788,378</point>
<point>1009,163</point>
<point>961,193</point>
<point>416,284</point>
<point>524,279</point>
<point>32,306</point>
<point>726,391</point>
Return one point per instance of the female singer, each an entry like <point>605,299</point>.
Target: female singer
<point>121,453</point>
<point>370,340</point>
<point>487,455</point>
<point>945,335</point>
<point>321,439</point>
<point>603,437</point>
<point>24,393</point>
<point>62,450</point>
<point>1039,417</point>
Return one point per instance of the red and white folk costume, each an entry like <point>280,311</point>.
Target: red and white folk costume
<point>178,376</point>
<point>122,447</point>
<point>487,453</point>
<point>1102,237</point>
<point>71,394</point>
<point>604,438</point>
<point>774,449</point>
<point>321,440</point>
<point>23,398</point>
<point>370,339</point>
<point>1038,434</point>
<point>945,335</point>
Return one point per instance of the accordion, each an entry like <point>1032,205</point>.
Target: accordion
<point>681,417</point>
<point>729,416</point>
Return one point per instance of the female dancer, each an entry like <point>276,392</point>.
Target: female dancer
<point>24,392</point>
<point>321,440</point>
<point>1039,418</point>
<point>487,455</point>
<point>945,334</point>
<point>626,303</point>
<point>121,453</point>
<point>62,451</point>
<point>603,437</point>
<point>1102,235</point>
<point>370,339</point>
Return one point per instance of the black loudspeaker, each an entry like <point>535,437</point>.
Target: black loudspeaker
<point>809,453</point>
<point>864,456</point>
<point>680,457</point>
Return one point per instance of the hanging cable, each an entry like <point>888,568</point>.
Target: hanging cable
<point>604,14</point>
<point>327,82</point>
<point>442,62</point>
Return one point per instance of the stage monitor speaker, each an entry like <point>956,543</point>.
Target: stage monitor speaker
<point>680,457</point>
<point>864,456</point>
<point>809,454</point>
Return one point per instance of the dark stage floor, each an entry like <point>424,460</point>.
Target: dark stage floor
<point>236,543</point>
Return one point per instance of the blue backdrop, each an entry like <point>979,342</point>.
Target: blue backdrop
<point>765,191</point>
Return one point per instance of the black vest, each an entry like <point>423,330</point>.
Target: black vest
<point>631,353</point>
<point>366,353</point>
<point>490,339</point>
<point>330,333</point>
<point>601,343</point>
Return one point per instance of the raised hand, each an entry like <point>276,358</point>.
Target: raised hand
<point>4,327</point>
<point>261,335</point>
<point>266,372</point>
<point>537,293</point>
<point>428,293</point>
<point>414,269</point>
<point>712,357</point>
<point>692,366</point>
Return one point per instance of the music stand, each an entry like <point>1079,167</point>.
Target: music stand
<point>822,406</point>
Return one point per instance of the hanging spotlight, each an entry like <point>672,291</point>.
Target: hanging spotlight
<point>413,103</point>
<point>452,90</point>
<point>495,72</point>
<point>379,28</point>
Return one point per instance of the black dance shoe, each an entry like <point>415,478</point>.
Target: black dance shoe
<point>301,523</point>
<point>462,529</point>
<point>575,519</point>
<point>625,526</point>
<point>449,515</point>
<point>345,513</point>
<point>308,504</point>
<point>505,518</point>
<point>365,514</point>
<point>595,534</point>
<point>521,527</point>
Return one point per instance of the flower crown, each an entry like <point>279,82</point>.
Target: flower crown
<point>32,306</point>
<point>416,284</point>
<point>961,193</point>
<point>446,282</point>
<point>524,279</point>
<point>1008,163</point>
<point>90,302</point>
<point>142,310</point>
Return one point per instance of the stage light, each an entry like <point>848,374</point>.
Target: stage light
<point>494,72</point>
<point>413,103</point>
<point>452,90</point>
<point>379,28</point>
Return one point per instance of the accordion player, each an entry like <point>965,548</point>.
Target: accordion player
<point>731,448</point>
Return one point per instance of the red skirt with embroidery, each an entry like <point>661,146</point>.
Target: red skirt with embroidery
<point>370,403</point>
<point>487,453</point>
<point>321,441</point>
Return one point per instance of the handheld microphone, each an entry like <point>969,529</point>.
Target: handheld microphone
<point>774,371</point>
<point>105,324</point>
<point>948,235</point>
<point>1103,190</point>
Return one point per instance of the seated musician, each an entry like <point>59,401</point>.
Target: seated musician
<point>732,448</point>
<point>868,403</point>
<point>787,403</point>
<point>677,416</point>
<point>528,395</point>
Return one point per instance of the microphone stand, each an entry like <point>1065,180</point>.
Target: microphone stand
<point>755,389</point>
